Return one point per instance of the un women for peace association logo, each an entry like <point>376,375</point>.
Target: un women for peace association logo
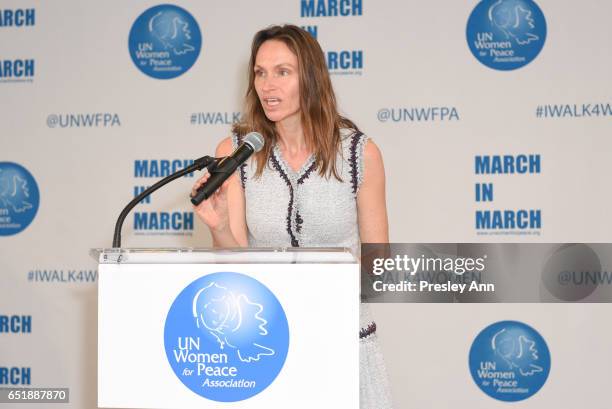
<point>165,41</point>
<point>506,34</point>
<point>226,337</point>
<point>509,361</point>
<point>19,198</point>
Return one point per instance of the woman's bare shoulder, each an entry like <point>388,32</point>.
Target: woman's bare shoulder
<point>225,147</point>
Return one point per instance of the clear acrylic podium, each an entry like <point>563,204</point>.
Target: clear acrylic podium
<point>248,328</point>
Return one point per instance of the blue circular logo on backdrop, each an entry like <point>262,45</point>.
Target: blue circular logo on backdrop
<point>506,34</point>
<point>19,198</point>
<point>509,361</point>
<point>226,337</point>
<point>165,41</point>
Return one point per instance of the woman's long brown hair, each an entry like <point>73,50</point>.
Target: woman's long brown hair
<point>321,121</point>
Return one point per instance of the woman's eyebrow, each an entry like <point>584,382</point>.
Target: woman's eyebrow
<point>285,64</point>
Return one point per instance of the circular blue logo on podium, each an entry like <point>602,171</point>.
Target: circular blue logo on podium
<point>506,34</point>
<point>509,361</point>
<point>226,337</point>
<point>19,198</point>
<point>165,41</point>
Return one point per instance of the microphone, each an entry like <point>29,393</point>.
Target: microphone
<point>253,142</point>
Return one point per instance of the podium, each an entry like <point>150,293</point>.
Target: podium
<point>248,328</point>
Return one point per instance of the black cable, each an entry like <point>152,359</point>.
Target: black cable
<point>198,164</point>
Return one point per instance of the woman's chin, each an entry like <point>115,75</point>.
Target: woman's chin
<point>278,116</point>
<point>274,116</point>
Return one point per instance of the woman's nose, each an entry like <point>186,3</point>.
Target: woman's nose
<point>269,83</point>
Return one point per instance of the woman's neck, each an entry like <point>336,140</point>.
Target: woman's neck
<point>291,136</point>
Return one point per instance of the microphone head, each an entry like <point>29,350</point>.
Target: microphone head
<point>255,140</point>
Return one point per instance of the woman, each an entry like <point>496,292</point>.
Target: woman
<point>318,181</point>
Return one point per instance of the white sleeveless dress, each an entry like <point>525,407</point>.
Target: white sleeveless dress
<point>285,208</point>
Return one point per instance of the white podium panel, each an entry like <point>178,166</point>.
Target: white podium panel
<point>169,333</point>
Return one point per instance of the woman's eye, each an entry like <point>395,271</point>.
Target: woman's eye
<point>284,73</point>
<point>259,73</point>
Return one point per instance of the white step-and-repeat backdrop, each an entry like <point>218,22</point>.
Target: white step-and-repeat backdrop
<point>493,117</point>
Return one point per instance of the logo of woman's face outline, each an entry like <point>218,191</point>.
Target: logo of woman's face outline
<point>216,313</point>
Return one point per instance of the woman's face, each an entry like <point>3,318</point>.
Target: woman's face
<point>277,81</point>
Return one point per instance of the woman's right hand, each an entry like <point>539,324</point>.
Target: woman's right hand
<point>214,210</point>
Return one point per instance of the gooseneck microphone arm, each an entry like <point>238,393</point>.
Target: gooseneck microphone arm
<point>198,164</point>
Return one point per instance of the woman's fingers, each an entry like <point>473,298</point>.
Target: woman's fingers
<point>202,180</point>
<point>222,192</point>
<point>198,183</point>
<point>214,210</point>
